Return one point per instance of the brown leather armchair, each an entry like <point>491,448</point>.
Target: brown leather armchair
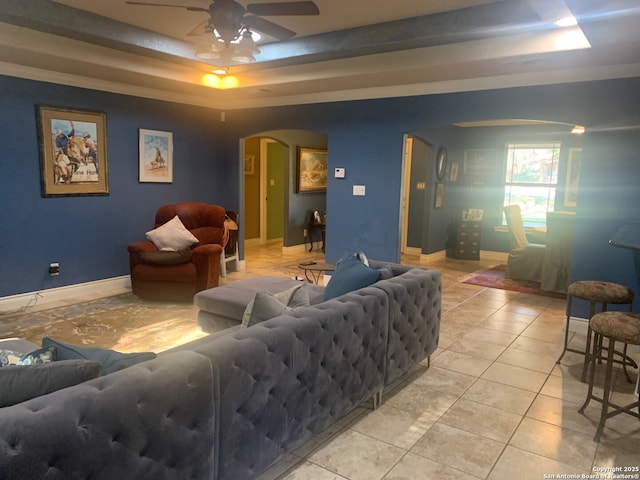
<point>182,276</point>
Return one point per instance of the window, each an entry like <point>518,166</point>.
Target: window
<point>531,179</point>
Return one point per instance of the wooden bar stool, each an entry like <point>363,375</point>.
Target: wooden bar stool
<point>615,327</point>
<point>593,291</point>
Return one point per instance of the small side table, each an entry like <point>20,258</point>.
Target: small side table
<point>314,271</point>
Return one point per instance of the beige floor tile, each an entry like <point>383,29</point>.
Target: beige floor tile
<point>541,332</point>
<point>357,456</point>
<point>519,464</point>
<point>462,363</point>
<point>515,376</point>
<point>307,471</point>
<point>421,401</point>
<point>522,309</point>
<point>515,317</point>
<point>520,358</point>
<point>619,451</point>
<point>414,467</point>
<point>457,448</point>
<point>564,413</point>
<point>443,380</point>
<point>505,397</point>
<point>277,470</point>
<point>538,346</point>
<point>503,325</point>
<point>560,444</point>
<point>483,335</point>
<point>566,388</point>
<point>393,426</point>
<point>469,346</point>
<point>481,419</point>
<point>319,439</point>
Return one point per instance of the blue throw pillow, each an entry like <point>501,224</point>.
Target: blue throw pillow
<point>350,274</point>
<point>110,360</point>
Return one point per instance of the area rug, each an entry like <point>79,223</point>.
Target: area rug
<point>495,278</point>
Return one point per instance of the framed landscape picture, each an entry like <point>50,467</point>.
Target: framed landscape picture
<point>312,170</point>
<point>156,156</point>
<point>73,152</point>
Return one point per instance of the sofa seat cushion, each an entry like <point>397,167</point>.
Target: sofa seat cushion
<point>110,360</point>
<point>19,383</point>
<point>230,301</point>
<point>350,274</point>
<point>166,257</point>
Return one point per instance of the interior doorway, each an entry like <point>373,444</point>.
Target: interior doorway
<point>264,190</point>
<point>414,202</point>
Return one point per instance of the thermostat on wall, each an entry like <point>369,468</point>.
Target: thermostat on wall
<point>339,172</point>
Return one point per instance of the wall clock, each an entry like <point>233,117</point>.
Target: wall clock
<point>441,163</point>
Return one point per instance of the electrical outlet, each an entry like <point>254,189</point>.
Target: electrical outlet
<point>54,269</point>
<point>305,232</point>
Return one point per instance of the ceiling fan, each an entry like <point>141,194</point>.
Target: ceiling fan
<point>229,20</point>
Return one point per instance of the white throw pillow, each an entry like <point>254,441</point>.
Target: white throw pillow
<point>172,236</point>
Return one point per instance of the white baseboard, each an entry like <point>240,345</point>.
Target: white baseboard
<point>427,258</point>
<point>68,293</point>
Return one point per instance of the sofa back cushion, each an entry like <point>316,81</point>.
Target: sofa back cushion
<point>153,421</point>
<point>285,379</point>
<point>19,383</point>
<point>415,299</point>
<point>350,274</point>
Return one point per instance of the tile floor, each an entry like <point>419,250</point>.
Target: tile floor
<point>493,404</point>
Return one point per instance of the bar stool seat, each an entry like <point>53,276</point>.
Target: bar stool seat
<point>595,292</point>
<point>615,327</point>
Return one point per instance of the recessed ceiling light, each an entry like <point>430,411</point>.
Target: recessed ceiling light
<point>220,71</point>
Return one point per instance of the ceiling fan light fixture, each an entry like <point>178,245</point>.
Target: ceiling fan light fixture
<point>209,50</point>
<point>247,43</point>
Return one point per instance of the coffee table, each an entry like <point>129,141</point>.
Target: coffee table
<point>314,271</point>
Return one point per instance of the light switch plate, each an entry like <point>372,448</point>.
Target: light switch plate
<point>359,190</point>
<point>339,172</point>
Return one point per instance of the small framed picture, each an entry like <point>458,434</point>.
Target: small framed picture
<point>156,156</point>
<point>453,175</point>
<point>311,170</point>
<point>439,197</point>
<point>249,164</point>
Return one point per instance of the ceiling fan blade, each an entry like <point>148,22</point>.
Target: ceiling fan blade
<point>265,26</point>
<point>283,8</point>
<point>201,29</point>
<point>192,9</point>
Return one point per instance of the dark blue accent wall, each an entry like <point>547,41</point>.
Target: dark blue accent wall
<point>88,235</point>
<point>366,138</point>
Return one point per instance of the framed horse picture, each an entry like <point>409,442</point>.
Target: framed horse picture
<point>156,156</point>
<point>73,152</point>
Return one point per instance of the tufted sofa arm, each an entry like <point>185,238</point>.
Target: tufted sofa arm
<point>283,380</point>
<point>154,421</point>
<point>415,306</point>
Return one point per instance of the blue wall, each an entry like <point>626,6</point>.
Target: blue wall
<point>366,138</point>
<point>88,235</point>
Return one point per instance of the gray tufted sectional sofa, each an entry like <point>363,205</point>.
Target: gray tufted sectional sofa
<point>229,405</point>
